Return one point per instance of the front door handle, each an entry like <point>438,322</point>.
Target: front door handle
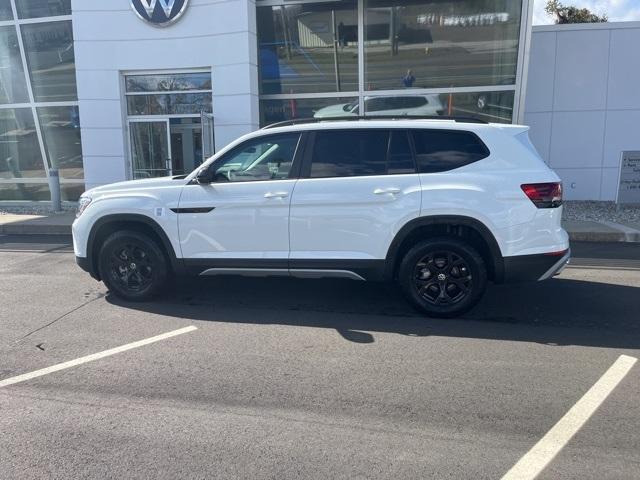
<point>276,194</point>
<point>387,191</point>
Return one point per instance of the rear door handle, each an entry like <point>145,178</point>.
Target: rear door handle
<point>386,191</point>
<point>276,194</point>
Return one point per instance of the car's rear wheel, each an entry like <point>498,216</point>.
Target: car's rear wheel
<point>443,277</point>
<point>132,266</point>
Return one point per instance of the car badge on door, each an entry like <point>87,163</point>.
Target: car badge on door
<point>159,13</point>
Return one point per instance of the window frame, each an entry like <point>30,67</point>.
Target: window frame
<point>311,143</point>
<point>294,172</point>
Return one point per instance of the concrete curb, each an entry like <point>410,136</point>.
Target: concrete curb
<point>604,237</point>
<point>27,229</point>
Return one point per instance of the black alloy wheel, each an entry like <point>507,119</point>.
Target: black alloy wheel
<point>132,266</point>
<point>443,277</point>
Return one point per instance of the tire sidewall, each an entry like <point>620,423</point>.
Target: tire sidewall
<point>159,271</point>
<point>474,262</point>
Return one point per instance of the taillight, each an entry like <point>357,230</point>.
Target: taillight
<point>544,195</point>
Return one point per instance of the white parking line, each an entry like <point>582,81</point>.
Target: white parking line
<point>536,459</point>
<point>95,356</point>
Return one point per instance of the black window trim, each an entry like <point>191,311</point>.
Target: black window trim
<point>310,143</point>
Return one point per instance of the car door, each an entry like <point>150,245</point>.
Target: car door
<point>244,213</point>
<point>358,187</point>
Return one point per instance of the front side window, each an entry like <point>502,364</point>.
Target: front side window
<point>442,150</point>
<point>264,158</point>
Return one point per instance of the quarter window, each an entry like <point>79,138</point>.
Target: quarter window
<point>264,158</point>
<point>442,150</point>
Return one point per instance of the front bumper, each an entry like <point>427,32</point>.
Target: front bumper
<point>84,264</point>
<point>531,268</point>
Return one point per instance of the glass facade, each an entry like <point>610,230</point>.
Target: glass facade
<point>456,43</point>
<point>43,8</point>
<point>50,57</point>
<point>308,48</point>
<point>5,10</point>
<point>13,87</point>
<point>39,119</point>
<point>404,58</point>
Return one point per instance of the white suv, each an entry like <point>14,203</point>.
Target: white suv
<point>409,105</point>
<point>440,206</point>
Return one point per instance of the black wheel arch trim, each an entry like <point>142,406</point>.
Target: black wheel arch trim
<point>457,220</point>
<point>176,263</point>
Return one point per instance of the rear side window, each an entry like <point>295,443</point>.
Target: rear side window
<point>442,150</point>
<point>349,153</point>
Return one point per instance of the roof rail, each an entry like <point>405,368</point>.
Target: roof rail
<point>299,121</point>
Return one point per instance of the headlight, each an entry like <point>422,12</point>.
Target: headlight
<point>83,203</point>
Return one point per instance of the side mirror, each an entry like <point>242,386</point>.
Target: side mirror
<point>204,177</point>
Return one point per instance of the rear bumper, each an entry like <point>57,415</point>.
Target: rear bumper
<point>531,268</point>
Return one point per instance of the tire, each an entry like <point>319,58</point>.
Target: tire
<point>443,277</point>
<point>132,266</point>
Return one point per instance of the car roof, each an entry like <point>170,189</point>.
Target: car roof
<point>322,124</point>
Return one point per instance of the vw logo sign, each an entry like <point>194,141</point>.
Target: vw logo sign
<point>159,13</point>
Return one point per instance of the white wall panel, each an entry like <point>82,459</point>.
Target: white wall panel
<point>98,84</point>
<point>540,81</point>
<point>102,141</point>
<point>580,183</point>
<point>623,133</point>
<point>576,139</point>
<point>595,111</point>
<point>104,170</point>
<point>624,69</point>
<point>540,132</point>
<point>581,70</point>
<point>609,189</point>
<point>101,114</point>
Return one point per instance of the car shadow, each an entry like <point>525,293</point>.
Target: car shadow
<point>556,312</point>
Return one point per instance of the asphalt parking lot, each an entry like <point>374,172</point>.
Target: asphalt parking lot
<point>323,379</point>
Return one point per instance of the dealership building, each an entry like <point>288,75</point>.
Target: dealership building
<point>104,91</point>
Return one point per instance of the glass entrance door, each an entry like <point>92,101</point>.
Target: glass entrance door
<point>150,148</point>
<point>186,145</point>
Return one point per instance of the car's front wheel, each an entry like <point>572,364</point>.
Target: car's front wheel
<point>443,277</point>
<point>132,266</point>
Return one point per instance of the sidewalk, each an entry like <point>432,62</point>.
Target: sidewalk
<point>579,230</point>
<point>52,224</point>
